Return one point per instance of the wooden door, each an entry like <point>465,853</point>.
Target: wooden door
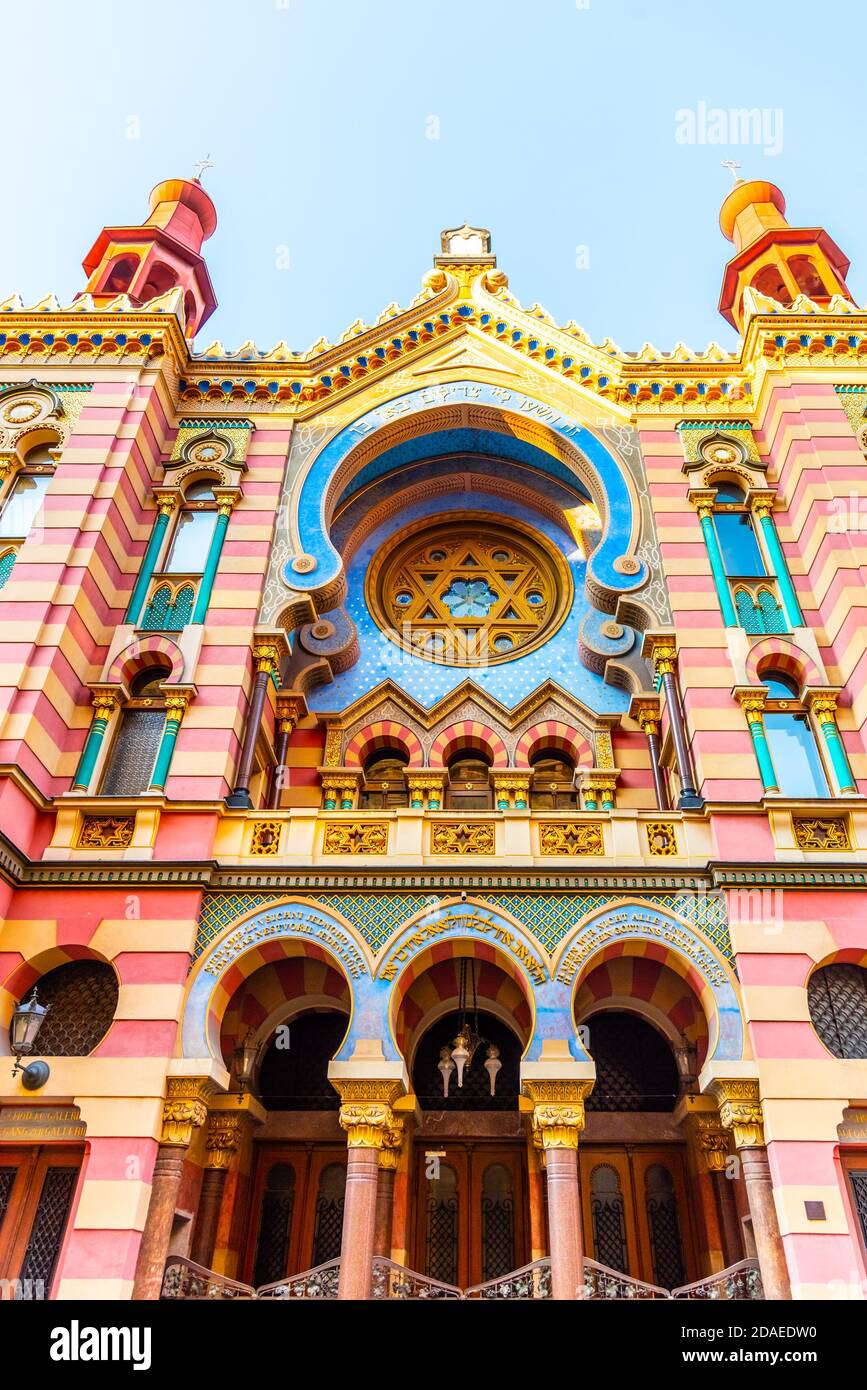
<point>37,1186</point>
<point>636,1212</point>
<point>470,1212</point>
<point>296,1210</point>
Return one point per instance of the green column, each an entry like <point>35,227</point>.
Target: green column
<point>146,573</point>
<point>730,617</point>
<point>760,744</point>
<point>175,706</point>
<point>824,712</point>
<point>103,708</point>
<point>780,569</point>
<point>608,802</point>
<point>590,803</point>
<point>211,563</point>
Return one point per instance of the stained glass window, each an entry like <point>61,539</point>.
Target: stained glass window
<point>469,591</point>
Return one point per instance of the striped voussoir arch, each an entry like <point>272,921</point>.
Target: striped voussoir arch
<point>468,734</point>
<point>144,652</point>
<point>384,733</point>
<point>287,982</point>
<point>551,735</point>
<point>779,654</point>
<point>621,979</point>
<point>662,955</point>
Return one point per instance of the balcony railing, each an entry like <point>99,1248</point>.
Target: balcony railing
<point>183,1279</point>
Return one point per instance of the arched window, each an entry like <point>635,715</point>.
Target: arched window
<point>22,505</point>
<point>553,783</point>
<point>441,1226</point>
<point>475,1093</point>
<point>120,275</point>
<point>837,1000</point>
<point>769,281</point>
<point>794,752</point>
<point>469,787</point>
<point>742,556</point>
<point>807,277</point>
<point>81,997</point>
<point>635,1066</point>
<point>498,1221</point>
<point>161,279</point>
<point>384,781</point>
<point>133,754</point>
<point>194,528</point>
<point>294,1070</point>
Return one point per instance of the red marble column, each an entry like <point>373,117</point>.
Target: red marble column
<point>558,1119</point>
<point>158,1226</point>
<point>359,1223</point>
<point>564,1222</point>
<point>183,1111</point>
<point>766,1229</point>
<point>384,1209</point>
<point>370,1126</point>
<point>741,1112</point>
<point>207,1216</point>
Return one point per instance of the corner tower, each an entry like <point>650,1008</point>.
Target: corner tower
<point>162,254</point>
<point>773,258</point>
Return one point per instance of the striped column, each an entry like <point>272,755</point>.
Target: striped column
<point>762,504</point>
<point>226,499</point>
<point>166,503</point>
<point>176,705</point>
<point>105,702</point>
<point>703,499</point>
<point>752,701</point>
<point>822,705</point>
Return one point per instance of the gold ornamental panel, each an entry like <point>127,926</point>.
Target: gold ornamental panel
<point>821,833</point>
<point>571,837</point>
<point>474,837</point>
<point>469,590</point>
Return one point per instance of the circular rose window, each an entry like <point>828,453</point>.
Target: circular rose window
<point>468,591</point>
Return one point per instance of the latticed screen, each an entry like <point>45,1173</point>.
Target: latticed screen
<point>328,1232</point>
<point>475,1094</point>
<point>662,1221</point>
<point>498,1222</point>
<point>278,1202</point>
<point>837,999</point>
<point>607,1213</point>
<point>46,1234</point>
<point>441,1227</point>
<point>294,1072</point>
<point>82,999</point>
<point>7,1182</point>
<point>858,1179</point>
<point>635,1067</point>
<point>131,764</point>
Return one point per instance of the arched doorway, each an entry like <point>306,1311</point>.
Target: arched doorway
<point>463,1024</point>
<point>636,1016</point>
<point>294,1013</point>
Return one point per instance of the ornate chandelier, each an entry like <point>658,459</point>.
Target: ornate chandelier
<point>458,1058</point>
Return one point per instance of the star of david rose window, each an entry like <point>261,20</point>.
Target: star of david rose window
<point>468,590</point>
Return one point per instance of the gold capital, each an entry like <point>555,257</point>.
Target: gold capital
<point>558,1112</point>
<point>740,1110</point>
<point>184,1109</point>
<point>225,1131</point>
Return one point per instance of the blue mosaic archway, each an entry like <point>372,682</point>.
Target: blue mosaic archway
<point>613,565</point>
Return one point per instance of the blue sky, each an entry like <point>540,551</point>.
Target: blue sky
<point>554,124</point>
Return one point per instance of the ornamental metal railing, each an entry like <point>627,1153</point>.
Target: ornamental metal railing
<point>741,1281</point>
<point>392,1280</point>
<point>183,1279</point>
<point>319,1283</point>
<point>530,1281</point>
